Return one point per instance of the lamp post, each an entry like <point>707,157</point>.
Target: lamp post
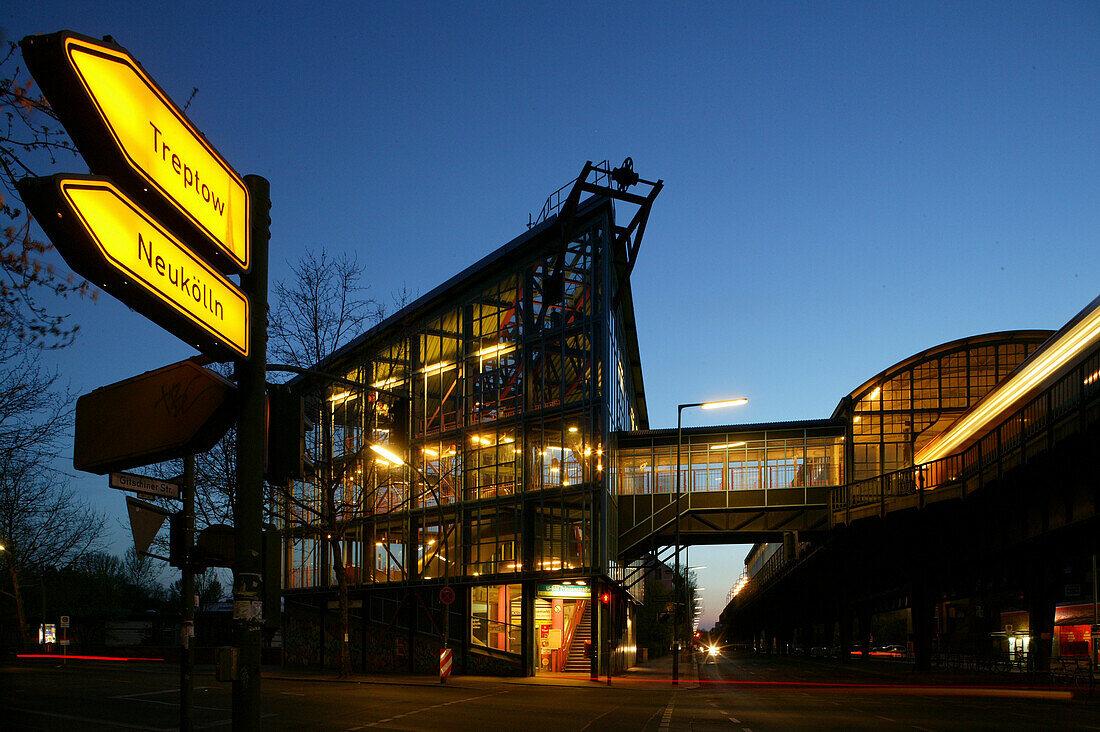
<point>676,571</point>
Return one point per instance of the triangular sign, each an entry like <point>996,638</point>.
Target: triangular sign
<point>145,521</point>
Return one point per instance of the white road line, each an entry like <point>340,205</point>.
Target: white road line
<point>146,693</point>
<point>922,729</point>
<point>609,711</point>
<point>666,718</point>
<point>425,709</point>
<point>227,722</point>
<point>886,718</point>
<point>89,720</point>
<point>735,720</point>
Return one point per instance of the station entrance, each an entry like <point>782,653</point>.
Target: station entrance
<point>563,628</point>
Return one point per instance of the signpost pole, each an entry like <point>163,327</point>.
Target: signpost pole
<point>187,597</point>
<point>251,440</point>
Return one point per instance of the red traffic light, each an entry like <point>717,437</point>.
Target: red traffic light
<point>605,598</point>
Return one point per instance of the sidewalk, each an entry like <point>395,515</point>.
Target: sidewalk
<point>658,671</point>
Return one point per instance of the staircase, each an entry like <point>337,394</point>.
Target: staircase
<point>576,662</point>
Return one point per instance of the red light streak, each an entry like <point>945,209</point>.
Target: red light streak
<point>82,658</point>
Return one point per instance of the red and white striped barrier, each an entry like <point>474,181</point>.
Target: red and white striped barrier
<point>444,663</point>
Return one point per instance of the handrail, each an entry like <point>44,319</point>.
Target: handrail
<point>570,629</point>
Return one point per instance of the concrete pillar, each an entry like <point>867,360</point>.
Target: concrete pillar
<point>844,617</point>
<point>1040,611</point>
<point>921,610</point>
<point>865,630</point>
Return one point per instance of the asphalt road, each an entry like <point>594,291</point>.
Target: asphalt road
<point>742,693</point>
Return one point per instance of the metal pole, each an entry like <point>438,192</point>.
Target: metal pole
<point>187,599</point>
<point>676,570</point>
<point>1095,614</point>
<point>251,440</point>
<point>610,631</point>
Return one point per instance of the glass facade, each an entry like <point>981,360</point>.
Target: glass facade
<point>713,460</point>
<point>472,449</point>
<point>906,407</point>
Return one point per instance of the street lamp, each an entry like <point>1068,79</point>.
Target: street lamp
<point>679,435</point>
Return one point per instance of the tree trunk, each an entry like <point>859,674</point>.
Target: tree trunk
<point>342,612</point>
<point>24,631</point>
<point>337,554</point>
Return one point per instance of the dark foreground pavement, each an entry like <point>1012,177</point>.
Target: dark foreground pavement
<point>737,693</point>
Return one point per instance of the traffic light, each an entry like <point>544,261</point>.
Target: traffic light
<point>272,587</point>
<point>286,435</point>
<point>605,598</point>
<point>177,545</point>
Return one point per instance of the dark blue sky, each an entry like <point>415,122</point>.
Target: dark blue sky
<point>846,183</point>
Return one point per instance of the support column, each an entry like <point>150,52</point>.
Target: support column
<point>807,637</point>
<point>844,617</point>
<point>922,610</point>
<point>1040,612</point>
<point>865,630</point>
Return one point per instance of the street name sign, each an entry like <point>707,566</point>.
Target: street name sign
<point>159,415</point>
<point>106,237</point>
<point>127,128</point>
<point>144,485</point>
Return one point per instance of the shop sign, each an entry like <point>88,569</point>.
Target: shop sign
<point>572,591</point>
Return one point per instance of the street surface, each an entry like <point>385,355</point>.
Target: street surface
<point>743,693</point>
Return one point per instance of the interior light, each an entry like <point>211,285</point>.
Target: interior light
<point>387,455</point>
<point>725,403</point>
<point>339,396</point>
<point>572,429</point>
<point>874,393</point>
<point>856,419</point>
<point>726,445</point>
<point>429,451</point>
<point>498,349</point>
<point>386,383</point>
<point>437,367</point>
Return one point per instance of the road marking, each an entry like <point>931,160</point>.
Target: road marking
<point>146,693</point>
<point>886,718</point>
<point>666,718</point>
<point>922,729</point>
<point>609,711</point>
<point>735,720</point>
<point>424,709</point>
<point>88,720</point>
<point>227,722</point>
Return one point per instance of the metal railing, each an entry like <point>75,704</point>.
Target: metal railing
<point>556,199</point>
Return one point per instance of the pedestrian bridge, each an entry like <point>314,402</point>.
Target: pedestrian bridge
<point>755,481</point>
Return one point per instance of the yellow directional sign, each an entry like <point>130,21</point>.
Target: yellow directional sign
<point>109,239</point>
<point>127,128</point>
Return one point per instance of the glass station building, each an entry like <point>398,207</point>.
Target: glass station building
<point>483,459</point>
<point>467,445</point>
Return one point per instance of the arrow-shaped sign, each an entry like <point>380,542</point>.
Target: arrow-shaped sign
<point>168,413</point>
<point>127,128</point>
<point>145,521</point>
<point>109,239</point>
